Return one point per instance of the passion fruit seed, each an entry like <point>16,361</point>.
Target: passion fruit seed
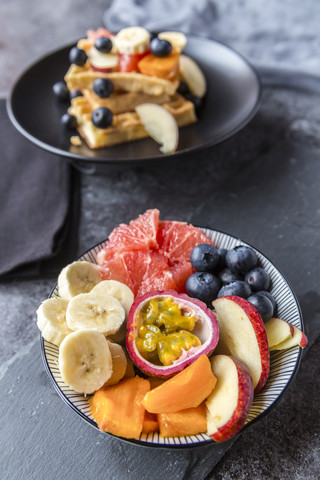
<point>166,330</point>
<point>172,346</point>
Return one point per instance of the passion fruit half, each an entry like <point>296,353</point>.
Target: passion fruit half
<point>168,331</point>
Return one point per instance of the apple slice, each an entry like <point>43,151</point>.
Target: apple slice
<point>160,125</point>
<point>243,335</point>
<point>298,339</point>
<point>230,401</point>
<point>278,330</point>
<point>193,76</point>
<point>103,62</point>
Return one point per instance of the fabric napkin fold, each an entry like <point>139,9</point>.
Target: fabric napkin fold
<point>190,16</point>
<point>39,206</point>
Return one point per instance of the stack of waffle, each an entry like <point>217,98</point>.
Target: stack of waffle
<point>130,90</point>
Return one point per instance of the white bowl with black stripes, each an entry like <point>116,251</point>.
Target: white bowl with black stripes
<point>283,364</point>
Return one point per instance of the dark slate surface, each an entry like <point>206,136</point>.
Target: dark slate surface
<point>262,185</point>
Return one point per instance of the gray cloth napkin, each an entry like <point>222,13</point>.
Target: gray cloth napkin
<point>39,202</point>
<point>190,16</point>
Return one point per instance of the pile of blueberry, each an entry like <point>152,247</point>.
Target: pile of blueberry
<point>222,272</point>
<point>101,117</point>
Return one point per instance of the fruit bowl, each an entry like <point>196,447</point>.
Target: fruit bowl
<point>283,363</point>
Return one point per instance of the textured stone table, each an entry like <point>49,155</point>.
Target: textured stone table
<point>262,185</point>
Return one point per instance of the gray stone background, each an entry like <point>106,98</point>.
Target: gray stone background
<point>284,444</point>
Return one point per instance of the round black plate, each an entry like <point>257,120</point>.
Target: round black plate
<point>232,99</point>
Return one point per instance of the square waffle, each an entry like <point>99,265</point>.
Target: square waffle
<point>126,126</point>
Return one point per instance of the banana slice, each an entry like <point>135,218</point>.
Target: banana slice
<point>178,40</point>
<point>96,311</point>
<point>118,290</point>
<point>85,361</point>
<point>132,40</point>
<point>119,364</point>
<point>51,320</point>
<point>78,277</point>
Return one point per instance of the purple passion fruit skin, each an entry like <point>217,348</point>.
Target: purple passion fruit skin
<point>168,331</point>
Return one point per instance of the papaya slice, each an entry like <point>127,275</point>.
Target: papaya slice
<point>190,421</point>
<point>118,410</point>
<point>186,389</point>
<point>150,423</point>
<point>165,67</point>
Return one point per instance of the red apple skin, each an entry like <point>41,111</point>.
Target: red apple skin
<point>103,70</point>
<point>304,340</point>
<point>261,335</point>
<point>246,394</point>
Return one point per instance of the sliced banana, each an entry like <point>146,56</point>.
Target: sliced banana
<point>51,320</point>
<point>119,364</point>
<point>85,361</point>
<point>132,40</point>
<point>120,335</point>
<point>78,277</point>
<point>97,311</point>
<point>178,40</point>
<point>118,290</point>
<point>130,371</point>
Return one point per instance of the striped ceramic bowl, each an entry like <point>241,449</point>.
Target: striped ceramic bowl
<point>283,364</point>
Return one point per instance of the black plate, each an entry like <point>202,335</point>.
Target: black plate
<point>232,99</point>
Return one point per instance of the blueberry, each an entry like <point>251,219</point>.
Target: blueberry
<point>222,254</point>
<point>197,101</point>
<point>241,258</point>
<point>75,93</point>
<point>203,285</point>
<point>258,279</point>
<point>238,288</point>
<point>102,117</point>
<point>69,121</point>
<point>268,295</point>
<point>61,91</point>
<point>183,88</point>
<point>263,305</point>
<point>103,87</point>
<point>228,276</point>
<point>77,56</point>
<point>103,44</point>
<point>160,47</point>
<point>204,257</point>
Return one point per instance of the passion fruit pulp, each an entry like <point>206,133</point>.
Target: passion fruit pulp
<point>168,331</point>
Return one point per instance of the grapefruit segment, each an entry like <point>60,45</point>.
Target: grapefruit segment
<point>148,254</point>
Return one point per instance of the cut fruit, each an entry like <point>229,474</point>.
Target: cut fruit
<point>103,62</point>
<point>118,409</point>
<point>166,67</point>
<point>187,389</point>
<point>119,364</point>
<point>178,40</point>
<point>193,76</point>
<point>95,311</point>
<point>230,402</point>
<point>78,277</point>
<point>205,330</point>
<point>177,239</point>
<point>243,335</point>
<point>190,421</point>
<point>278,330</point>
<point>160,125</point>
<point>299,338</point>
<point>150,423</point>
<point>150,255</point>
<point>85,361</point>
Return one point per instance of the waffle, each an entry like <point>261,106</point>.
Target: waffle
<point>126,126</point>
<point>79,78</point>
<point>125,102</point>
